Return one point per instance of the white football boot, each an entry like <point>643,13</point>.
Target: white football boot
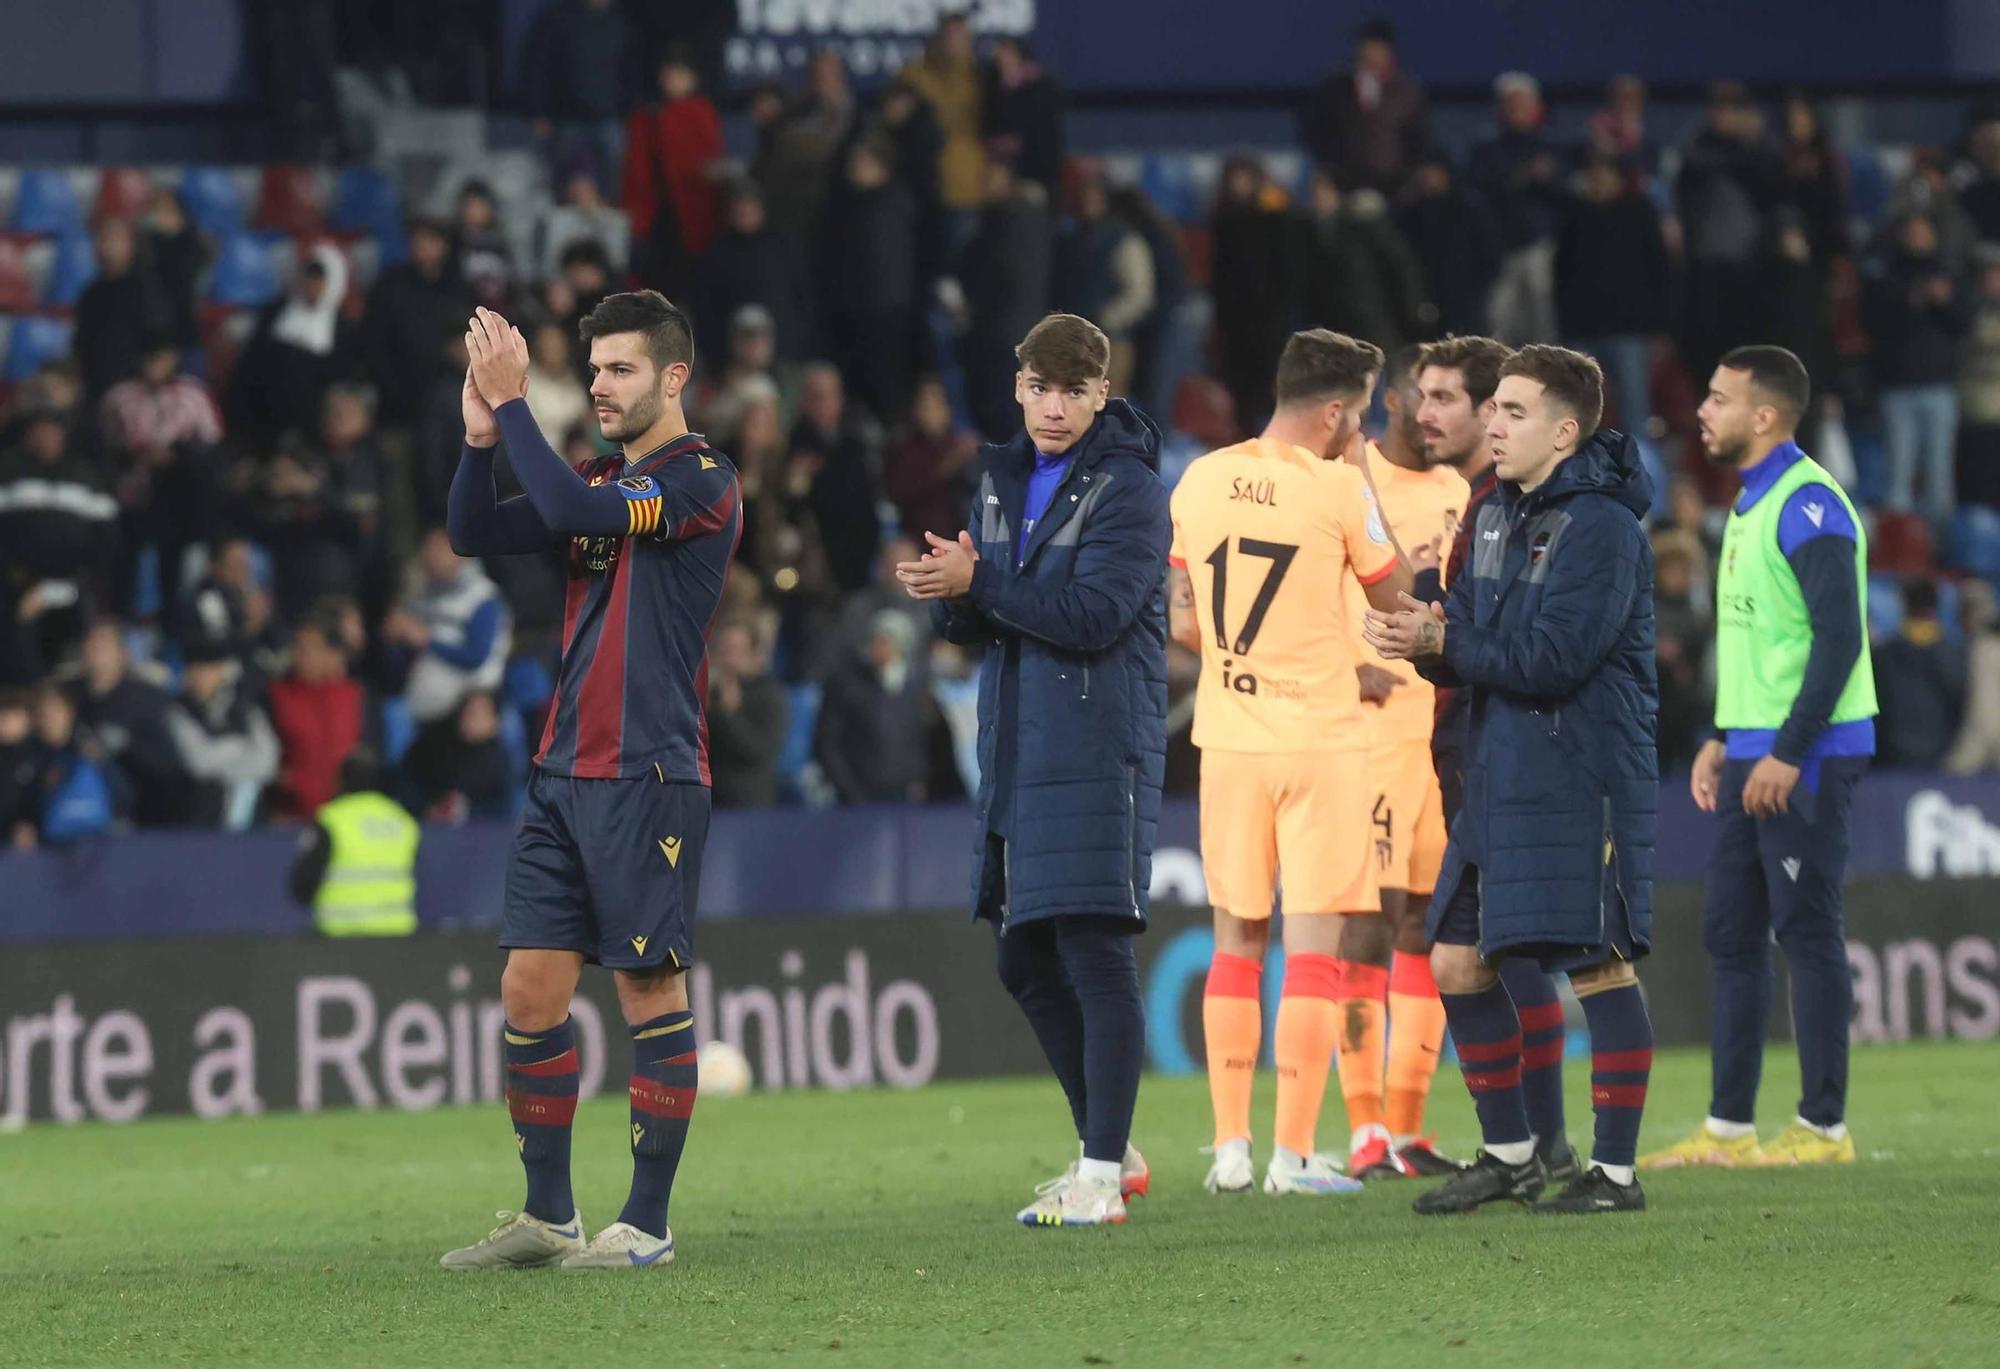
<point>623,1246</point>
<point>1077,1202</point>
<point>520,1242</point>
<point>1233,1171</point>
<point>1320,1176</point>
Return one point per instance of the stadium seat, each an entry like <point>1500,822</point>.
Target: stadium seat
<point>366,199</point>
<point>18,291</point>
<point>291,199</point>
<point>214,200</point>
<point>797,752</point>
<point>1902,545</point>
<point>123,192</point>
<point>399,728</point>
<point>36,341</point>
<point>46,203</point>
<point>527,685</point>
<point>245,275</point>
<point>75,266</point>
<point>1885,605</point>
<point>1974,541</point>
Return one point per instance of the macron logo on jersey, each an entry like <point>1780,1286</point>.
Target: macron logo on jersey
<point>1815,513</point>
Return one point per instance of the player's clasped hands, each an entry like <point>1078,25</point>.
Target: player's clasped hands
<point>499,357</point>
<point>945,572</point>
<point>1414,633</point>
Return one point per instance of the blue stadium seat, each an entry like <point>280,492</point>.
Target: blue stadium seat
<point>527,686</point>
<point>399,729</point>
<point>1869,184</point>
<point>75,267</point>
<point>367,200</point>
<point>1168,181</point>
<point>1885,605</point>
<point>214,200</point>
<point>47,203</point>
<point>1973,542</point>
<point>36,341</point>
<point>797,752</point>
<point>245,275</point>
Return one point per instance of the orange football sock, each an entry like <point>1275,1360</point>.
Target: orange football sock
<point>1307,1025</point>
<point>1363,1010</point>
<point>1416,1035</point>
<point>1232,1024</point>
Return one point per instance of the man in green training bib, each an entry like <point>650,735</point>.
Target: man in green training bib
<point>1795,713</point>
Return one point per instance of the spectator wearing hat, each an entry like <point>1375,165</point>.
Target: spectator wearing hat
<point>223,741</point>
<point>298,350</point>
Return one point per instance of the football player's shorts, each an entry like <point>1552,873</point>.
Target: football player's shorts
<point>1302,817</point>
<point>1407,815</point>
<point>610,868</point>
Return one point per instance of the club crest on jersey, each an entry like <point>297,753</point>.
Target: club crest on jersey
<point>639,486</point>
<point>1538,548</point>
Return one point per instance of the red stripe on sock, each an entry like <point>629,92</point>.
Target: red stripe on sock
<point>1234,976</point>
<point>1484,1052</point>
<point>1541,1055</point>
<point>662,1100</point>
<point>543,1069</point>
<point>541,1109</point>
<point>1541,1017</point>
<point>1618,1095</point>
<point>687,1059</point>
<point>1312,975</point>
<point>1622,1062</point>
<point>1363,981</point>
<point>1492,1081</point>
<point>1411,974</point>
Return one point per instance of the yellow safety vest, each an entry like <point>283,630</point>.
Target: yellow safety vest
<point>370,888</point>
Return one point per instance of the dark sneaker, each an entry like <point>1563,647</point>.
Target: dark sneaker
<point>1595,1192</point>
<point>1485,1180</point>
<point>1420,1157</point>
<point>1559,1158</point>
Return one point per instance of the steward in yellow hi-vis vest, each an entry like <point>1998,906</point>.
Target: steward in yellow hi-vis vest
<point>357,868</point>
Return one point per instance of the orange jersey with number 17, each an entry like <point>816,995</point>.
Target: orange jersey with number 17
<point>1269,534</point>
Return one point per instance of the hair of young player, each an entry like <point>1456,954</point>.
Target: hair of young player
<point>1320,364</point>
<point>1570,380</point>
<point>1065,349</point>
<point>1476,359</point>
<point>1777,375</point>
<point>668,336</point>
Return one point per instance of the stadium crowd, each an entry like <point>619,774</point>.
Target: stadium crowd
<point>222,567</point>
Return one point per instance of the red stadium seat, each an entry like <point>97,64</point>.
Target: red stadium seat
<point>1902,545</point>
<point>17,281</point>
<point>122,193</point>
<point>292,199</point>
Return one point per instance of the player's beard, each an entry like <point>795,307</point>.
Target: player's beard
<point>635,420</point>
<point>1729,454</point>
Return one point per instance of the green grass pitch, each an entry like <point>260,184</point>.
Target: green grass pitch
<point>873,1229</point>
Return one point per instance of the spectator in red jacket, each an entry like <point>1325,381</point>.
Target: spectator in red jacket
<point>671,150</point>
<point>317,712</point>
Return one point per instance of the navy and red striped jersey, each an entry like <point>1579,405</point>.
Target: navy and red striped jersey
<point>632,693</point>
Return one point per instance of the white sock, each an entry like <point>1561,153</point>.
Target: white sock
<point>1363,1135</point>
<point>1290,1159</point>
<point>1729,1131</point>
<point>1512,1152</point>
<point>1617,1174</point>
<point>1836,1132</point>
<point>1097,1172</point>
